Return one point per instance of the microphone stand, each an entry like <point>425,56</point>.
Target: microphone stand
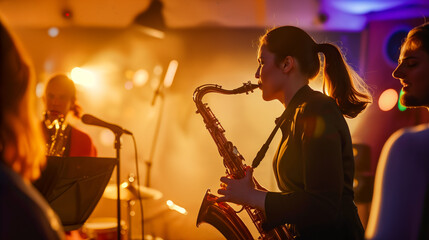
<point>155,139</point>
<point>118,131</point>
<point>118,174</point>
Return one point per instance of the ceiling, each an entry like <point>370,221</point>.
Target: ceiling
<point>310,14</point>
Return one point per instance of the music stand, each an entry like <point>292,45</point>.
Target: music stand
<point>73,186</point>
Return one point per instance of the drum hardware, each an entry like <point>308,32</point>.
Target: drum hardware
<point>104,229</point>
<point>130,192</point>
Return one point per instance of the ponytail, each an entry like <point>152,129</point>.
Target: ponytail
<point>341,82</point>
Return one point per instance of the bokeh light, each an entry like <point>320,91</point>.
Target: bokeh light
<point>83,77</point>
<point>171,72</point>
<point>128,85</point>
<point>157,70</point>
<point>388,99</point>
<point>177,208</point>
<point>49,65</point>
<point>107,138</point>
<point>140,77</point>
<point>53,32</point>
<point>400,106</point>
<point>40,87</point>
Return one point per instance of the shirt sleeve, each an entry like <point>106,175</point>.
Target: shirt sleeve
<point>400,189</point>
<point>81,145</point>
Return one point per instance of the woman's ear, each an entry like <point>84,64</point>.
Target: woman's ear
<point>287,64</point>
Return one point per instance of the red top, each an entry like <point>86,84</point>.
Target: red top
<point>81,144</point>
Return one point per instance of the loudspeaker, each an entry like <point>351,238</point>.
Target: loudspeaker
<point>363,182</point>
<point>362,155</point>
<point>393,42</point>
<point>363,186</point>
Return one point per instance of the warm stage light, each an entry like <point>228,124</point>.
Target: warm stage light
<point>140,77</point>
<point>106,137</point>
<point>40,87</point>
<point>124,185</point>
<point>128,85</point>
<point>171,71</point>
<point>48,65</point>
<point>156,77</point>
<point>83,77</point>
<point>157,70</point>
<point>152,32</point>
<point>177,208</point>
<point>388,99</point>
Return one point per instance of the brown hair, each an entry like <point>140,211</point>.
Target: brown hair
<point>22,144</point>
<point>420,36</point>
<point>339,78</point>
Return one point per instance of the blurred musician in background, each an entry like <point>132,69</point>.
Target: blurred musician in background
<point>400,209</point>
<point>63,139</point>
<point>24,213</point>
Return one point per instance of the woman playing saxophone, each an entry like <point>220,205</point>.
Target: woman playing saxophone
<point>314,165</point>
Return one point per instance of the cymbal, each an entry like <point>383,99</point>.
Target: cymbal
<point>130,192</point>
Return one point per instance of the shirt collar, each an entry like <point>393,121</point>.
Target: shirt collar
<point>300,96</point>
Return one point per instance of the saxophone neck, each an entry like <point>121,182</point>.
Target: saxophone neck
<point>207,88</point>
<point>57,122</point>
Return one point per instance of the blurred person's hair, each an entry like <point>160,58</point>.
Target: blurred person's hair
<point>22,145</point>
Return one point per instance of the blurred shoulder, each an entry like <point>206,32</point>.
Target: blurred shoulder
<point>81,144</point>
<point>80,135</point>
<point>21,205</point>
<point>409,143</point>
<point>412,137</point>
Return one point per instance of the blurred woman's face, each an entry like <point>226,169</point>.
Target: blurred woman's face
<point>413,73</point>
<point>270,75</point>
<point>58,100</point>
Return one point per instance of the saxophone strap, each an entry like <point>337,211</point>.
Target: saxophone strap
<point>261,153</point>
<point>298,98</point>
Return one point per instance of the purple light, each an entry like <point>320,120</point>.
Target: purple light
<point>364,7</point>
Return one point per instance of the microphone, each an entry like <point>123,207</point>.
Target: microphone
<point>91,120</point>
<point>168,80</point>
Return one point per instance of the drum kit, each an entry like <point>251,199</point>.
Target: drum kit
<point>130,192</point>
<point>106,228</point>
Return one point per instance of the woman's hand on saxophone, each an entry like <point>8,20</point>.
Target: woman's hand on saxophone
<point>242,191</point>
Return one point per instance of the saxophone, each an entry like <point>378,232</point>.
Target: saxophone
<point>58,138</point>
<point>220,215</point>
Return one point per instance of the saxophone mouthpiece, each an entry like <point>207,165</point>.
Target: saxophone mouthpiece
<point>246,88</point>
